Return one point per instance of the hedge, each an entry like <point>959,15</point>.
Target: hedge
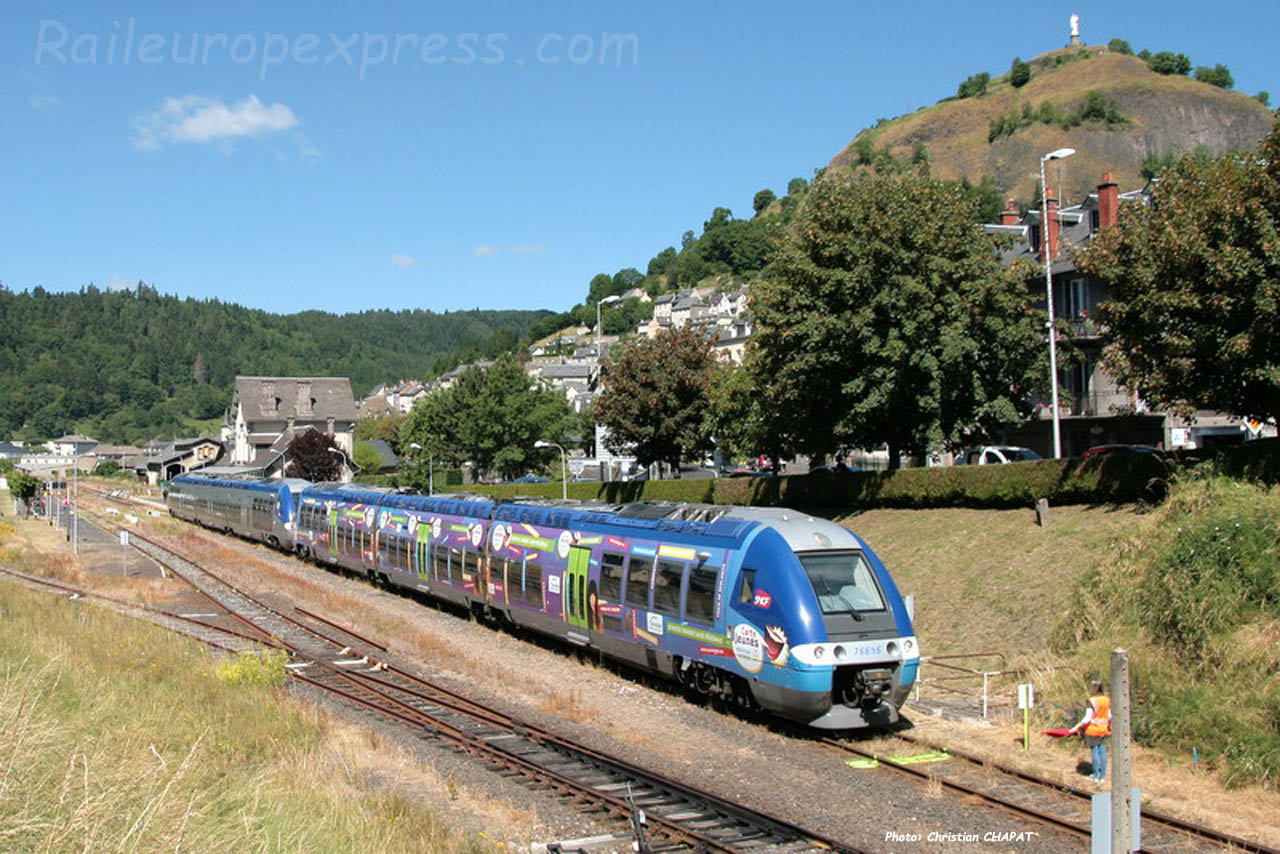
<point>1110,479</point>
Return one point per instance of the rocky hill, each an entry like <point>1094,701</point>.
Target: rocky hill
<point>1155,115</point>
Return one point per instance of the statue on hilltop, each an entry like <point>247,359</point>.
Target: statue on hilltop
<point>1075,32</point>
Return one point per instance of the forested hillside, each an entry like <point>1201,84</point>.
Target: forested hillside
<point>131,365</point>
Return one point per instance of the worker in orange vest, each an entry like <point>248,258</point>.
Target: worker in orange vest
<point>1096,725</point>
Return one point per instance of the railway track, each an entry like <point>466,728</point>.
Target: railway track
<point>544,760</point>
<point>1057,805</point>
<point>336,660</point>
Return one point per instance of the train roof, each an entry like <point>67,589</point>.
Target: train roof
<point>546,512</point>
<point>254,484</point>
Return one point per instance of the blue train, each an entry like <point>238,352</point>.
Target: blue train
<point>763,607</point>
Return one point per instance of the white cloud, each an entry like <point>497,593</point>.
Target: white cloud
<point>43,102</point>
<point>407,260</point>
<point>484,250</point>
<point>196,118</point>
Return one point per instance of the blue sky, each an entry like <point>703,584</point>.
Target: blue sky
<point>287,156</point>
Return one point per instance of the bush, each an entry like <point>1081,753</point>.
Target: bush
<point>1112,479</point>
<point>1264,98</point>
<point>974,86</point>
<point>1217,76</point>
<point>1167,62</point>
<point>1020,73</point>
<point>249,668</point>
<point>1120,46</point>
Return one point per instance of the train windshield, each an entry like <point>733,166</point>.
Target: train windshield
<point>843,582</point>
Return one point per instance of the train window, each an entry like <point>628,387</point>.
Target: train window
<point>611,576</point>
<point>666,588</point>
<point>533,584</point>
<point>747,587</point>
<point>441,564</point>
<point>843,581</point>
<point>639,571</point>
<point>470,562</point>
<point>700,600</point>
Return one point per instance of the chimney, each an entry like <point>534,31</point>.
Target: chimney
<point>1049,230</point>
<point>1108,202</point>
<point>1010,214</point>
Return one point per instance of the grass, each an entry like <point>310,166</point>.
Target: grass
<point>1196,600</point>
<point>1191,589</point>
<point>117,736</point>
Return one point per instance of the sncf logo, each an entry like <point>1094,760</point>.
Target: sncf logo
<point>761,599</point>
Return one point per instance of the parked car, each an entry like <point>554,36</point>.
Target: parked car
<point>532,478</point>
<point>1120,449</point>
<point>991,455</point>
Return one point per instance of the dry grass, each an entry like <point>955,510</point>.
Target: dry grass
<point>118,737</point>
<point>955,131</point>
<point>983,580</point>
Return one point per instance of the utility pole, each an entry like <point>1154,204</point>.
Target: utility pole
<point>1122,762</point>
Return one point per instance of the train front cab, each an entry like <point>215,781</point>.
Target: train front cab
<point>837,649</point>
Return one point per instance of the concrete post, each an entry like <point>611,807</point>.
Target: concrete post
<point>1122,760</point>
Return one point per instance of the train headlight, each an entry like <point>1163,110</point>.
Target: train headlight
<point>891,648</point>
<point>840,653</point>
<point>908,645</point>
<point>817,652</point>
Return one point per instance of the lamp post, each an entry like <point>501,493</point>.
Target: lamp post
<point>342,460</point>
<point>599,360</point>
<point>431,474</point>
<point>1048,289</point>
<point>564,468</point>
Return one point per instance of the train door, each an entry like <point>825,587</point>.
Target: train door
<point>422,550</point>
<point>576,586</point>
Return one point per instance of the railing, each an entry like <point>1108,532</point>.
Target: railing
<point>967,676</point>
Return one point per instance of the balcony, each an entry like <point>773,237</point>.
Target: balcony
<point>1084,328</point>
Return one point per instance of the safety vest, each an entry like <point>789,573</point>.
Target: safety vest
<point>1100,724</point>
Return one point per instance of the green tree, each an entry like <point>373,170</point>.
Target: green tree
<point>1219,76</point>
<point>22,486</point>
<point>762,200</point>
<point>887,318</point>
<point>491,418</point>
<point>313,456</point>
<point>737,420</point>
<point>1193,315</point>
<point>601,286</point>
<point>719,217</point>
<point>1263,98</point>
<point>367,457</point>
<point>796,186</point>
<point>1019,73</point>
<point>386,428</point>
<point>661,262</point>
<point>655,396</point>
<point>974,86</point>
<point>1120,46</point>
<point>1167,62</point>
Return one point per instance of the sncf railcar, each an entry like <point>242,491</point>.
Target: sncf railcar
<point>764,607</point>
<point>262,510</point>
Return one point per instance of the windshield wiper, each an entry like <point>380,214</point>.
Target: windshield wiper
<point>852,611</point>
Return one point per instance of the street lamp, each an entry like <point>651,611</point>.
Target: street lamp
<point>599,358</point>
<point>342,460</point>
<point>564,477</point>
<point>1048,289</point>
<point>431,474</point>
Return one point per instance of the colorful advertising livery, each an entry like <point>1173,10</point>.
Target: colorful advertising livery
<point>758,606</point>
